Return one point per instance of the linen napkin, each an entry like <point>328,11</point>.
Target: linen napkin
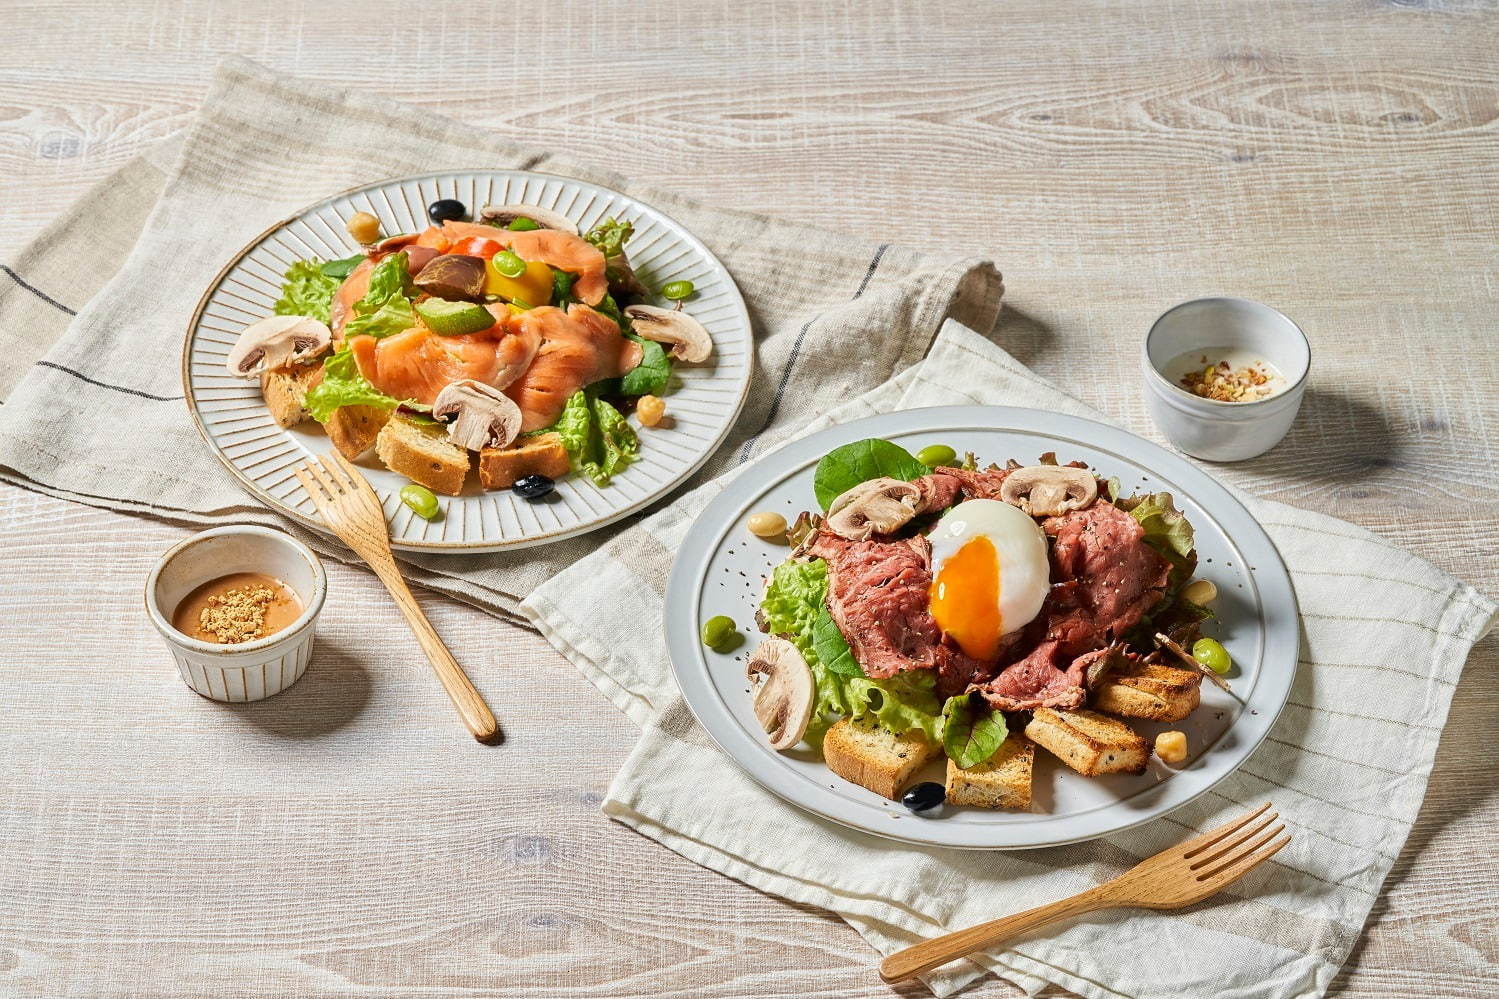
<point>1385,635</point>
<point>93,396</point>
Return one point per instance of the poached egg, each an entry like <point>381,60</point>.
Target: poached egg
<point>990,574</point>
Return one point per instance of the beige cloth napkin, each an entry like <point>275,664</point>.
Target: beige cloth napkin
<point>1385,638</point>
<point>93,401</point>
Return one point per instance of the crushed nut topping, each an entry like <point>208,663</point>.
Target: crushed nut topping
<point>238,615</point>
<point>1223,383</point>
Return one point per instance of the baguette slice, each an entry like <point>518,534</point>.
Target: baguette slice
<point>1149,690</point>
<point>285,392</point>
<point>1089,742</point>
<point>861,751</point>
<point>423,453</point>
<point>500,468</point>
<point>354,429</point>
<point>1002,781</point>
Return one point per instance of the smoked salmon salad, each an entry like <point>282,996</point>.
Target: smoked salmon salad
<point>505,342</point>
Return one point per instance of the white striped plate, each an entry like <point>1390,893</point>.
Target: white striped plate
<point>704,400</point>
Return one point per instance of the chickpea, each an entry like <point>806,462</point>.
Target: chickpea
<point>1171,747</point>
<point>1200,592</point>
<point>649,409</point>
<point>766,524</point>
<point>364,228</point>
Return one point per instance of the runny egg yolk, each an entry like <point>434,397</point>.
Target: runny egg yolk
<point>965,598</point>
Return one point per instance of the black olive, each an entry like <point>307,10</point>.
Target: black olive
<point>533,487</point>
<point>924,797</point>
<point>446,210</point>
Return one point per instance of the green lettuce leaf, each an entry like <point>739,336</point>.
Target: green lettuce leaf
<point>793,606</point>
<point>341,269</point>
<point>610,236</point>
<point>307,291</point>
<point>971,733</point>
<point>832,648</point>
<point>845,467</point>
<point>384,310</point>
<point>597,437</point>
<point>651,375</point>
<point>1167,530</point>
<point>343,385</point>
<point>898,703</point>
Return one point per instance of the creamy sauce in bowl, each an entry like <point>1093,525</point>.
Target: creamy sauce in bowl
<point>240,607</point>
<point>1225,374</point>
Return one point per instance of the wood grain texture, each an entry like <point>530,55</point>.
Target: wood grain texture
<point>1337,160</point>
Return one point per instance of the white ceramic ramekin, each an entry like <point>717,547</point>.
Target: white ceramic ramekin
<point>248,671</point>
<point>1207,428</point>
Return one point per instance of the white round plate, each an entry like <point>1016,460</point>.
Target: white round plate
<point>721,569</point>
<point>704,400</point>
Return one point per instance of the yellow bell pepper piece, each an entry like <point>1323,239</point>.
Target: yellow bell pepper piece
<point>532,288</point>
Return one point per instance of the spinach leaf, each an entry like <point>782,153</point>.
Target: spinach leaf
<point>562,289</point>
<point>650,376</point>
<point>832,648</point>
<point>340,269</point>
<point>970,736</point>
<point>845,467</point>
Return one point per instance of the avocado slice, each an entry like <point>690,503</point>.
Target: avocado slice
<point>447,318</point>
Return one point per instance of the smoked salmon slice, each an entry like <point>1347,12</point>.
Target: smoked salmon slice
<point>578,347</point>
<point>341,309</point>
<point>561,250</point>
<point>418,364</point>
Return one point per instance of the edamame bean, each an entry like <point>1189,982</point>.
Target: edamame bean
<point>421,500</point>
<point>522,224</point>
<point>675,291</point>
<point>934,455</point>
<point>1212,654</point>
<point>720,635</point>
<point>508,264</point>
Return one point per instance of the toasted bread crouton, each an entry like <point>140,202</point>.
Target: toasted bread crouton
<point>353,429</point>
<point>499,468</point>
<point>861,751</point>
<point>285,391</point>
<point>1089,742</point>
<point>421,451</point>
<point>1002,781</point>
<point>1149,690</point>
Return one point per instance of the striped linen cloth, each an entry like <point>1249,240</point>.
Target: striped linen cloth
<point>1385,638</point>
<point>93,312</point>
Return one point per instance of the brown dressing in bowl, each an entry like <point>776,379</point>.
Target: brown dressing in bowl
<point>239,607</point>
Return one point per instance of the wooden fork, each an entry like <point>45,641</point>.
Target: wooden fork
<point>352,510</point>
<point>1171,879</point>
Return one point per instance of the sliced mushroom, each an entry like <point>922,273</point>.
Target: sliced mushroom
<point>685,335</point>
<point>484,416</point>
<point>784,699</point>
<point>503,215</point>
<point>1049,490</point>
<point>878,506</point>
<point>276,341</point>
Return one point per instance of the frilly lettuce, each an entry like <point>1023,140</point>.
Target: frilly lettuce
<point>343,385</point>
<point>597,437</point>
<point>793,605</point>
<point>384,310</point>
<point>307,291</point>
<point>1167,530</point>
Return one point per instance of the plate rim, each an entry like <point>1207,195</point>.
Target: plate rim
<point>463,547</point>
<point>685,584</point>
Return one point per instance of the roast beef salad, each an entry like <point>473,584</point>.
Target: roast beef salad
<point>513,342</point>
<point>977,613</point>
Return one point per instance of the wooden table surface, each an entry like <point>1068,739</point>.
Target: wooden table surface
<point>1338,160</point>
